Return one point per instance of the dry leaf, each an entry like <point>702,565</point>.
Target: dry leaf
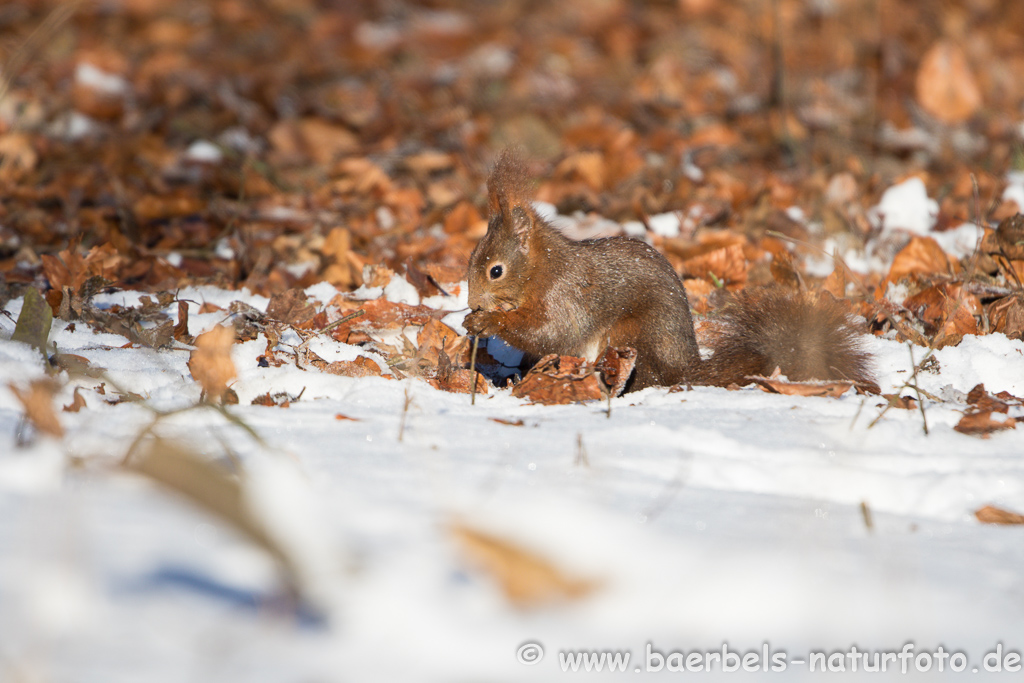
<point>211,364</point>
<point>774,385</point>
<point>901,402</point>
<point>993,515</point>
<point>77,403</point>
<point>526,579</point>
<point>1010,236</point>
<point>361,367</point>
<point>945,86</point>
<point>922,255</point>
<point>727,265</point>
<point>982,400</point>
<point>616,367</point>
<point>558,380</point>
<point>291,307</point>
<point>981,423</point>
<point>37,401</point>
<point>181,329</point>
<point>510,423</point>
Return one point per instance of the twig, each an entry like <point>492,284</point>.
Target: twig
<point>920,400</point>
<point>581,452</point>
<point>865,512</point>
<point>405,412</point>
<point>472,372</point>
<point>342,320</point>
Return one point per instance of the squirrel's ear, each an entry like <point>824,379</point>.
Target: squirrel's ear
<point>521,221</point>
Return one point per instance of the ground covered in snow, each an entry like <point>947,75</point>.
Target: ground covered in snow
<point>695,519</point>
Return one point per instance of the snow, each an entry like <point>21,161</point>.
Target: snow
<point>97,79</point>
<point>961,241</point>
<point>664,224</point>
<point>906,206</point>
<point>1014,191</point>
<point>704,517</point>
<point>204,152</point>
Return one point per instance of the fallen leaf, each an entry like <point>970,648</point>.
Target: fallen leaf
<point>981,424</point>
<point>37,400</point>
<point>77,403</point>
<point>775,385</point>
<point>526,578</point>
<point>348,368</point>
<point>1006,315</point>
<point>558,380</point>
<point>616,367</point>
<point>34,321</point>
<point>210,363</point>
<point>726,265</point>
<point>982,400</point>
<point>901,402</point>
<point>17,157</point>
<point>945,86</point>
<point>993,515</point>
<point>510,423</point>
<point>1010,236</point>
<point>181,328</point>
<point>456,379</point>
<point>922,255</point>
<point>339,416</point>
<point>291,307</point>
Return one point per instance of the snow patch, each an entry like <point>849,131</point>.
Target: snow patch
<point>905,206</point>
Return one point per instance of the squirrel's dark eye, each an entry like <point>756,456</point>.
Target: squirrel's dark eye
<point>496,272</point>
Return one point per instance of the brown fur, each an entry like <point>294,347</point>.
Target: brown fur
<point>555,295</point>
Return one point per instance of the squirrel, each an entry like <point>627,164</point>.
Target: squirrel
<point>544,293</point>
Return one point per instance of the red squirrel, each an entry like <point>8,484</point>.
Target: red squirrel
<point>544,293</point>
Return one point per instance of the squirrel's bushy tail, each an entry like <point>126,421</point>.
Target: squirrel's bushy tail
<point>806,336</point>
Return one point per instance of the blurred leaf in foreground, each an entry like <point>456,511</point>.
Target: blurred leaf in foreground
<point>211,364</point>
<point>38,403</point>
<point>526,579</point>
<point>33,326</point>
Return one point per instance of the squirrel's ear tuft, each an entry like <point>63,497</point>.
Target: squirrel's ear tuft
<point>508,184</point>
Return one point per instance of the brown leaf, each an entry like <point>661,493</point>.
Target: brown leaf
<point>945,86</point>
<point>181,329</point>
<point>1006,315</point>
<point>901,402</point>
<point>510,423</point>
<point>18,157</point>
<point>558,380</point>
<point>291,307</point>
<point>835,283</point>
<point>727,265</point>
<point>774,385</point>
<point>982,400</point>
<point>361,367</point>
<point>211,364</point>
<point>616,367</point>
<point>922,255</point>
<point>981,424</point>
<point>340,416</point>
<point>381,313</point>
<point>77,403</point>
<point>450,377</point>
<point>526,578</point>
<point>934,306</point>
<point>37,400</point>
<point>993,515</point>
<point>1010,236</point>
<point>434,336</point>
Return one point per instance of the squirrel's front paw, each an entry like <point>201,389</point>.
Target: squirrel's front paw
<point>482,323</point>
